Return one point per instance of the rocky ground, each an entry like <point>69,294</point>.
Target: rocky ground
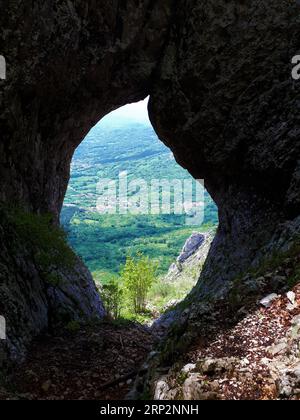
<point>245,346</point>
<point>256,359</point>
<point>98,362</point>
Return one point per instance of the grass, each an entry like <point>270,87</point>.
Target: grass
<point>163,292</point>
<point>46,242</point>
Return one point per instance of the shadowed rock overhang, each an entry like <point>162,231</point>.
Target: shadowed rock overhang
<point>221,97</point>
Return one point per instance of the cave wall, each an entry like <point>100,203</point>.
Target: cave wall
<point>225,102</point>
<point>68,65</point>
<point>222,98</point>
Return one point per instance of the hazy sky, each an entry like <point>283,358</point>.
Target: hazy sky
<point>136,112</point>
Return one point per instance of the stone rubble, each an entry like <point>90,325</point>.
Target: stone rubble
<point>258,358</point>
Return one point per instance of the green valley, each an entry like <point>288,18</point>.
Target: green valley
<point>104,240</point>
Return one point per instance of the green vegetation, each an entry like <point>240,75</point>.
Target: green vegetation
<point>105,241</point>
<point>47,241</point>
<point>137,294</point>
<point>138,277</point>
<point>112,296</point>
<point>127,296</point>
<point>165,294</point>
<point>279,258</point>
<point>276,260</point>
<point>295,277</point>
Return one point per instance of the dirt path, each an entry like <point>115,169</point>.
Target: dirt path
<point>81,365</point>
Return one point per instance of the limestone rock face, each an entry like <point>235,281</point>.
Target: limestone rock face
<point>222,98</point>
<point>37,295</point>
<point>192,256</point>
<point>225,102</point>
<point>68,65</point>
<point>191,246</point>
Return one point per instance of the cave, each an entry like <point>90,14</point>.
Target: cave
<point>221,98</point>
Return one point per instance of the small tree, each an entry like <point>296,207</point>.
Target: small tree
<point>112,295</point>
<point>138,275</point>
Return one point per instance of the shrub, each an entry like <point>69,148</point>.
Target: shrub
<point>112,295</point>
<point>138,276</point>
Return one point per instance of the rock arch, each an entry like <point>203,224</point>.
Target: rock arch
<point>222,98</point>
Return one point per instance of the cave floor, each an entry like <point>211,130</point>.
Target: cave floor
<point>256,358</point>
<point>257,346</point>
<point>97,362</point>
<point>100,362</point>
<point>252,353</point>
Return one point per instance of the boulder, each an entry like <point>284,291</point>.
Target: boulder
<point>289,382</point>
<point>191,246</point>
<point>268,300</point>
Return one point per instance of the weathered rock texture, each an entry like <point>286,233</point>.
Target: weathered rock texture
<point>38,292</point>
<point>226,104</point>
<point>222,98</point>
<point>192,256</point>
<point>68,64</point>
<point>191,246</point>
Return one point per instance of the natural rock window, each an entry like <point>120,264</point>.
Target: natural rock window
<point>123,147</point>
